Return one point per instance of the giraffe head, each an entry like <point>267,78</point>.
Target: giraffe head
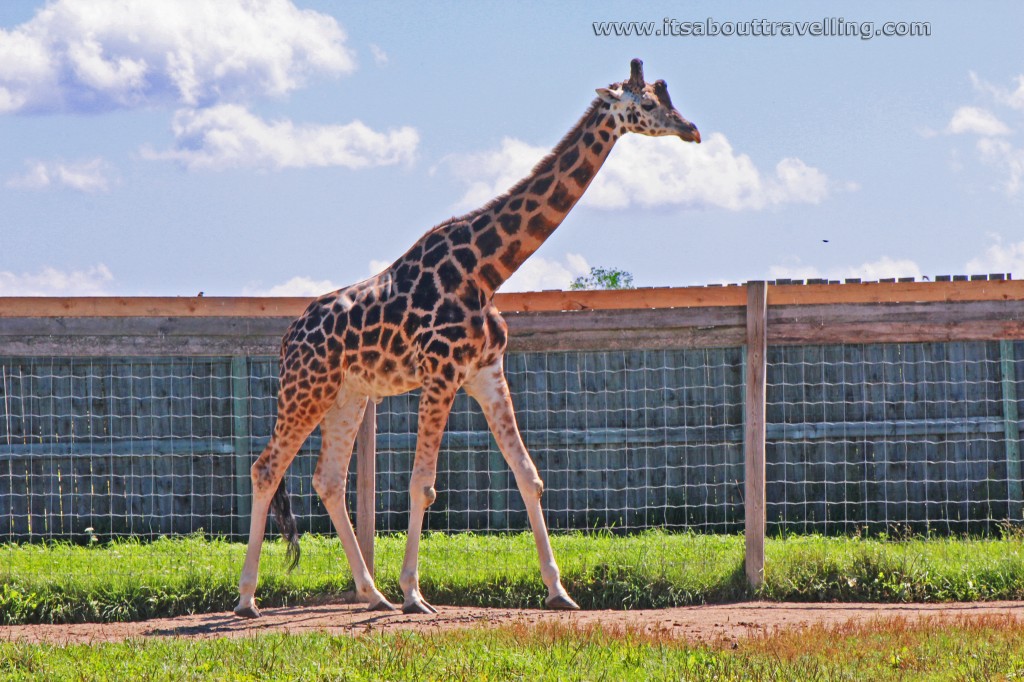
<point>646,108</point>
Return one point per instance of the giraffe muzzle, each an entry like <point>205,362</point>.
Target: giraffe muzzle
<point>688,132</point>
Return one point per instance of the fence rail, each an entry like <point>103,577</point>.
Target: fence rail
<point>880,404</point>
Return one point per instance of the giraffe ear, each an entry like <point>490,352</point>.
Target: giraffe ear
<point>608,95</point>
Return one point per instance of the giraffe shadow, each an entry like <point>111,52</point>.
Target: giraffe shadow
<point>293,618</point>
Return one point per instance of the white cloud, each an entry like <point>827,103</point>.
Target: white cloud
<point>491,173</point>
<point>109,54</point>
<point>651,172</point>
<point>36,177</point>
<point>380,57</point>
<point>994,146</point>
<point>50,281</point>
<point>84,176</point>
<point>229,136</point>
<point>536,274</point>
<point>1011,98</point>
<point>883,268</point>
<point>539,274</point>
<point>296,286</point>
<point>977,121</point>
<point>378,266</point>
<point>1002,154</point>
<point>997,258</point>
<point>1000,258</point>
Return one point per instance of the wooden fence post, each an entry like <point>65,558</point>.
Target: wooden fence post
<point>241,442</point>
<point>366,483</point>
<point>1011,431</point>
<point>754,434</point>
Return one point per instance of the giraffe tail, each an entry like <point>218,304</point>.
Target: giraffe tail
<point>281,506</point>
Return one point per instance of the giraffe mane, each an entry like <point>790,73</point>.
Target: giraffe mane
<point>558,149</point>
<point>539,167</point>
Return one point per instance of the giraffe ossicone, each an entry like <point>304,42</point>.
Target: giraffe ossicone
<point>428,322</point>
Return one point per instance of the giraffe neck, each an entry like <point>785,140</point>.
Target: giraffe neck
<point>509,229</point>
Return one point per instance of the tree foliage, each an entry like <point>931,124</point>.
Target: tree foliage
<point>603,278</point>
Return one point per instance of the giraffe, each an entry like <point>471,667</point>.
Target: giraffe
<point>428,322</point>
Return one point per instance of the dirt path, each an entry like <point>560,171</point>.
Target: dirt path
<point>720,623</point>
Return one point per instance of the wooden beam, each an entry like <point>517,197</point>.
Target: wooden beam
<point>538,301</point>
<point>897,292</point>
<point>785,294</point>
<point>895,322</point>
<point>666,328</point>
<point>146,306</point>
<point>755,432</point>
<point>138,336</point>
<point>626,329</point>
<point>366,484</point>
<point>622,299</point>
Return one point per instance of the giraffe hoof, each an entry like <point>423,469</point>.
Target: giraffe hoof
<point>247,612</point>
<point>561,602</point>
<point>383,605</point>
<point>418,606</point>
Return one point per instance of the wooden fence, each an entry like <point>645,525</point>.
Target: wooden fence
<point>729,366</point>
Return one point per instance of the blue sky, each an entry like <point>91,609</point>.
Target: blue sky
<point>164,147</point>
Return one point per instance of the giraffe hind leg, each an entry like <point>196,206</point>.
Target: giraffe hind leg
<point>267,474</point>
<point>296,418</point>
<point>435,404</point>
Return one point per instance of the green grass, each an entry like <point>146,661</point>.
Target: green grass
<point>811,568</point>
<point>962,650</point>
<point>132,580</point>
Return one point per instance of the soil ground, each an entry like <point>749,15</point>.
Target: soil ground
<point>719,624</point>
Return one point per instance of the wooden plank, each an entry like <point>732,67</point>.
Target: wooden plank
<point>627,339</point>
<point>146,306</point>
<point>622,299</point>
<point>1014,494</point>
<point>543,331</point>
<point>895,323</point>
<point>366,483</point>
<point>262,336</point>
<point>754,441</point>
<point>222,325</point>
<point>626,330</point>
<point>661,297</point>
<point>897,292</point>
<point>137,346</point>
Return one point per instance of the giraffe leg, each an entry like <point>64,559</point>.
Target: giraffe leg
<point>435,404</point>
<point>489,388</point>
<point>338,430</point>
<point>267,472</point>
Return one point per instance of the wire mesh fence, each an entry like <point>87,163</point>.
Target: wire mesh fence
<point>876,437</point>
<point>919,438</point>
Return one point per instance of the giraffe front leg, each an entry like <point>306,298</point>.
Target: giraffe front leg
<point>490,389</point>
<point>338,431</point>
<point>435,404</point>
